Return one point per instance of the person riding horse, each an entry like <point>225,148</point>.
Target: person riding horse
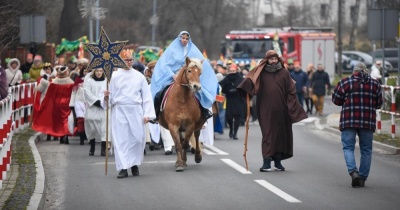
<point>168,66</point>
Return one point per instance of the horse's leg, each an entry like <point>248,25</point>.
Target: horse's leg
<point>193,143</point>
<point>197,156</point>
<point>179,163</point>
<point>185,145</point>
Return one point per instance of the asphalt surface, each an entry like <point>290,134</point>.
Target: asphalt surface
<point>315,178</point>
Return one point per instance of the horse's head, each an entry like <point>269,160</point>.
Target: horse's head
<point>189,75</point>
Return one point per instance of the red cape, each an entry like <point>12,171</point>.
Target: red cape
<point>52,116</point>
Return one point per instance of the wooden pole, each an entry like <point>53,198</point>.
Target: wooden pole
<point>247,130</point>
<point>106,101</point>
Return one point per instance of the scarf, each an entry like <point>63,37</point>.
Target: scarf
<point>273,68</point>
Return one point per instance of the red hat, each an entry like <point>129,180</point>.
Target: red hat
<point>233,66</point>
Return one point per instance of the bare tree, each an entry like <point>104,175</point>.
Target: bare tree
<point>71,21</point>
<point>354,17</point>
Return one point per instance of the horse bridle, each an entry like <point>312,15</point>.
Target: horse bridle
<point>184,73</point>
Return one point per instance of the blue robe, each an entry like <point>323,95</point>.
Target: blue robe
<point>173,59</point>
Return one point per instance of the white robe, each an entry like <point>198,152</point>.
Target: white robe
<point>95,117</point>
<point>130,101</point>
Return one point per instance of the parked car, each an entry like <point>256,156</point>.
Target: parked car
<point>365,58</point>
<point>153,48</point>
<point>390,56</point>
<point>347,63</point>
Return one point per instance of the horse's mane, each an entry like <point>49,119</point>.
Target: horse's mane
<point>195,62</point>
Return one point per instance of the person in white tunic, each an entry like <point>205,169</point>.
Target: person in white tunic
<point>95,114</point>
<point>131,107</point>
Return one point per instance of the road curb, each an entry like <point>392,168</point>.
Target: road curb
<point>39,194</point>
<point>387,148</point>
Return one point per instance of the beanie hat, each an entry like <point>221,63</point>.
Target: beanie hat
<point>360,67</point>
<point>270,54</point>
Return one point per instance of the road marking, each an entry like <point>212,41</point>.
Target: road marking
<point>236,166</point>
<point>299,123</point>
<point>215,150</point>
<point>309,119</point>
<point>318,125</point>
<point>277,191</point>
<point>208,152</point>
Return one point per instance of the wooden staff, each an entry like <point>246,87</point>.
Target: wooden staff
<point>106,101</point>
<point>247,130</point>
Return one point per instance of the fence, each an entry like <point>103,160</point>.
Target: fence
<point>15,110</point>
<point>392,111</point>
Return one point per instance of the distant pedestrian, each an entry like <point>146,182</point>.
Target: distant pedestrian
<point>360,96</point>
<point>235,104</point>
<point>319,84</point>
<point>302,83</point>
<point>277,108</point>
<point>309,93</point>
<point>3,83</point>
<point>14,75</point>
<point>376,71</point>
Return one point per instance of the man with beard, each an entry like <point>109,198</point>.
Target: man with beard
<point>277,108</point>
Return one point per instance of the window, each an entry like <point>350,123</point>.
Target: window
<point>290,47</point>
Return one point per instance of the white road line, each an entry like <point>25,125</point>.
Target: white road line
<point>236,166</point>
<point>299,123</point>
<point>309,119</point>
<point>145,162</point>
<point>208,152</point>
<point>216,150</point>
<point>277,191</point>
<point>318,125</point>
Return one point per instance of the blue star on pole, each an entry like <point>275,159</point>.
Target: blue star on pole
<point>106,54</point>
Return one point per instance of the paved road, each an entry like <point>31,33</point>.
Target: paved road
<point>316,177</point>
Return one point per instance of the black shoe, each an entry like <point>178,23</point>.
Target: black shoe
<point>55,139</point>
<point>135,170</point>
<point>278,166</point>
<point>168,152</point>
<point>123,174</point>
<point>207,114</point>
<point>355,178</point>
<point>154,121</point>
<point>66,140</point>
<point>235,137</point>
<point>266,165</point>
<point>92,147</point>
<point>362,182</point>
<point>103,148</point>
<point>61,140</point>
<point>48,138</point>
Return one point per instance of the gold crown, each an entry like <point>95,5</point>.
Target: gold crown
<point>47,64</point>
<point>126,53</point>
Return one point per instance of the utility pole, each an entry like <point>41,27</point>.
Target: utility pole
<point>340,7</point>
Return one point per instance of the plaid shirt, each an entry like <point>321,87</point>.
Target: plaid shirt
<point>359,98</point>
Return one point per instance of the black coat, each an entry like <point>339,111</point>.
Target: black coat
<point>235,104</point>
<point>318,82</point>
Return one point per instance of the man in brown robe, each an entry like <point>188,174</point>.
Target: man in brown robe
<point>277,108</point>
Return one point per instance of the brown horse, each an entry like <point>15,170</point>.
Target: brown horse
<point>181,114</point>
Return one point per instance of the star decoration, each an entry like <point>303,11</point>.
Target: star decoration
<point>106,54</point>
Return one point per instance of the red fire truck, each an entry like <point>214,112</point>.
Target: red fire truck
<point>302,44</point>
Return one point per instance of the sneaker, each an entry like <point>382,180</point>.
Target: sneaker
<point>123,174</point>
<point>168,152</point>
<point>266,165</point>
<point>135,170</point>
<point>355,178</point>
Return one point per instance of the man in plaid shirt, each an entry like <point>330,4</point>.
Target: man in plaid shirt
<point>360,96</point>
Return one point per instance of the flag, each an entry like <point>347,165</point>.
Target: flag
<point>205,54</point>
<point>80,51</point>
<point>221,57</point>
<point>253,63</point>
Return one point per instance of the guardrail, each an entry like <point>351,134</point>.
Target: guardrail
<point>392,111</point>
<point>15,110</point>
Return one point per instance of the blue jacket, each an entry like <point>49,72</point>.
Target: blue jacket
<point>301,79</point>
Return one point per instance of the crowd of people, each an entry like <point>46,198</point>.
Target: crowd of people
<point>73,100</point>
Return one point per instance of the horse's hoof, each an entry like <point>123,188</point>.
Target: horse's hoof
<point>197,158</point>
<point>192,150</point>
<point>179,169</point>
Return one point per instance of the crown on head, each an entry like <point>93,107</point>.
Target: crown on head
<point>126,53</point>
<point>47,65</point>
